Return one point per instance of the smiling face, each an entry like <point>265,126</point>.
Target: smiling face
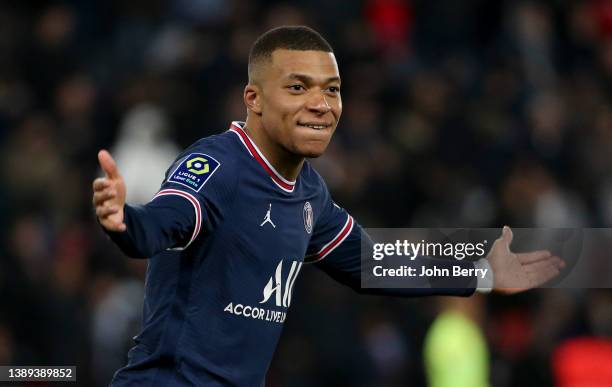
<point>295,100</point>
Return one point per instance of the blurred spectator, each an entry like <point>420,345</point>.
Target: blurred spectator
<point>116,316</point>
<point>6,345</point>
<point>583,362</point>
<point>455,351</point>
<point>143,150</point>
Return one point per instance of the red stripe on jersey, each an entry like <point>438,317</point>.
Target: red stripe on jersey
<point>194,202</point>
<point>335,242</point>
<point>283,183</point>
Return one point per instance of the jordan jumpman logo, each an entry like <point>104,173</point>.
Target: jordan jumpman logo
<point>268,218</point>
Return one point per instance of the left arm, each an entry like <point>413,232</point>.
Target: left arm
<point>344,264</point>
<point>337,240</point>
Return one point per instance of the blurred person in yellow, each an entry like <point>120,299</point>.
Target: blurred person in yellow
<point>455,349</point>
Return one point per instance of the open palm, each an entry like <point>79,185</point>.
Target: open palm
<point>517,272</point>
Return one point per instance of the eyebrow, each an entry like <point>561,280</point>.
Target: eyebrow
<point>309,80</point>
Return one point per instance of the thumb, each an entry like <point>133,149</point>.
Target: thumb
<point>507,236</point>
<point>108,164</point>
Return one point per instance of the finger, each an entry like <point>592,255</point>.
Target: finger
<point>108,164</point>
<point>100,197</point>
<point>556,262</point>
<point>101,183</point>
<point>559,262</point>
<point>502,244</point>
<point>507,235</point>
<point>541,272</point>
<point>533,256</point>
<point>106,211</point>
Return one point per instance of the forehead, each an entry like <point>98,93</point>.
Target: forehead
<point>316,64</point>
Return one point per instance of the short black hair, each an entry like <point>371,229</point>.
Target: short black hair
<point>301,38</point>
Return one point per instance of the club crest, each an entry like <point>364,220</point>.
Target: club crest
<point>308,217</point>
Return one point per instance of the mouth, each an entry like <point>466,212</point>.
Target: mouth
<point>315,125</point>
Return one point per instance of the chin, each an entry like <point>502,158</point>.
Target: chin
<point>313,155</point>
<point>312,152</point>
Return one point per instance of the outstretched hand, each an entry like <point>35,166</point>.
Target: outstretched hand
<point>109,194</point>
<point>517,272</point>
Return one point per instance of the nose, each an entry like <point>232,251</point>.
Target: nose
<point>318,103</point>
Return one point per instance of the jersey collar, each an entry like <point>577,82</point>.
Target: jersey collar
<point>284,184</point>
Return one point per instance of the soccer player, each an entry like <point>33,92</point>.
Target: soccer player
<point>237,216</point>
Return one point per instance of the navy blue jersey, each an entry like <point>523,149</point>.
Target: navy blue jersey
<point>227,237</point>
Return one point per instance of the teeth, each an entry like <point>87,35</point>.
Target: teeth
<point>316,126</point>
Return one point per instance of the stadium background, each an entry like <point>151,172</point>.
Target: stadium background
<point>456,113</point>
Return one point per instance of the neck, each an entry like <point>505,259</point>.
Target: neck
<point>286,163</point>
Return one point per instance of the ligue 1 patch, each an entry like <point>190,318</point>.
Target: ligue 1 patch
<point>307,212</point>
<point>194,171</point>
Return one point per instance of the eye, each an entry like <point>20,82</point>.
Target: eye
<point>334,89</point>
<point>296,87</point>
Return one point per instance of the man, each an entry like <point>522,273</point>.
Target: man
<point>236,217</point>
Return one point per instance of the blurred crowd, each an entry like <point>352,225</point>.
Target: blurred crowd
<point>469,113</point>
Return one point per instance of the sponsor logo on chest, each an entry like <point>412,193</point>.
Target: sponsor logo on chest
<point>278,290</point>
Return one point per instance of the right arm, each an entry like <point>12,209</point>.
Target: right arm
<point>171,220</point>
<point>164,223</point>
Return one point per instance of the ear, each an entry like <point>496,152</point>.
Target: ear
<point>252,98</point>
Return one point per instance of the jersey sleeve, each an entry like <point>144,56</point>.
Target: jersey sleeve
<point>192,200</point>
<point>335,248</point>
<point>334,227</point>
